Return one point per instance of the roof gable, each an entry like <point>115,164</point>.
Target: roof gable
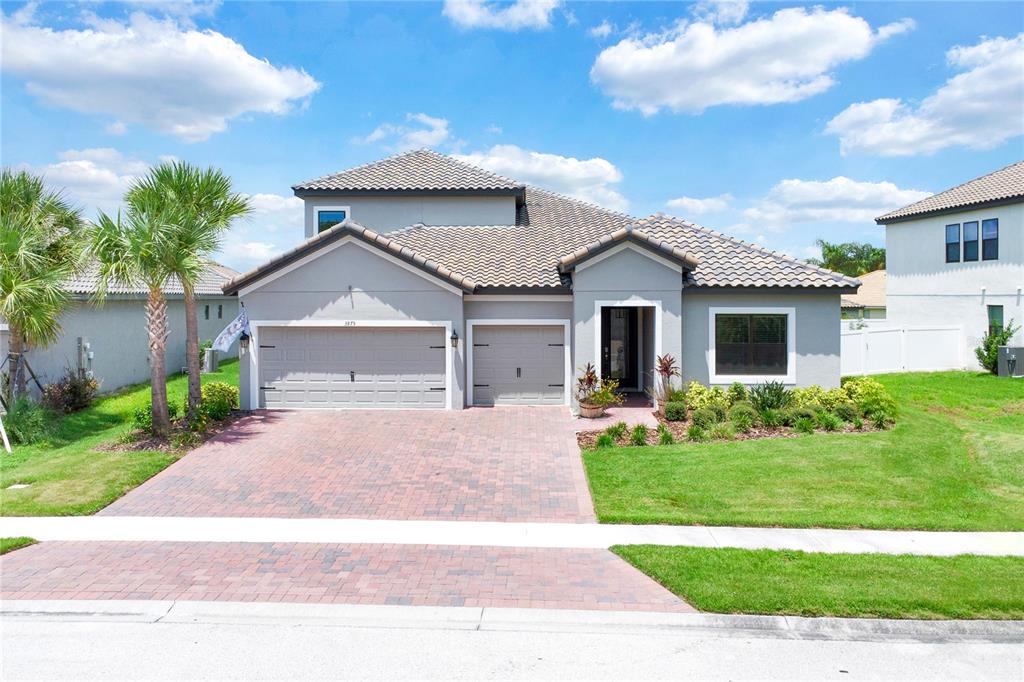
<point>1005,185</point>
<point>626,235</point>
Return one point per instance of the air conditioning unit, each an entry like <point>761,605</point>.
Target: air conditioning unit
<point>1011,361</point>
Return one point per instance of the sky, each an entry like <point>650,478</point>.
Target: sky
<point>776,123</point>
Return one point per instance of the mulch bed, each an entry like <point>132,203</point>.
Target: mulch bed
<point>588,439</point>
<point>172,441</point>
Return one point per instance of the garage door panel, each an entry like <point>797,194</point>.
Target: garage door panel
<point>518,365</point>
<point>345,367</point>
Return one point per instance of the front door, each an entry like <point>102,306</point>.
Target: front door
<point>619,346</point>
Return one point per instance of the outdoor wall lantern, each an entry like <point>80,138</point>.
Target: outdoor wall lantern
<point>243,342</point>
<point>455,339</point>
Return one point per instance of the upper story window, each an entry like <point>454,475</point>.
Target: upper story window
<point>206,312</point>
<point>329,216</point>
<point>990,239</point>
<point>971,241</point>
<point>953,243</point>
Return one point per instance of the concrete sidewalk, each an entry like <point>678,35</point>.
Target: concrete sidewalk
<point>500,534</point>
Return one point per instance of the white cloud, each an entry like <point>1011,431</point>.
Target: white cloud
<point>979,108</point>
<point>420,131</point>
<point>93,179</point>
<point>696,206</point>
<point>786,57</point>
<point>837,200</point>
<point>535,14</point>
<point>116,128</point>
<point>274,226</point>
<point>587,179</point>
<point>602,30</point>
<point>494,129</point>
<point>160,73</point>
<point>721,11</point>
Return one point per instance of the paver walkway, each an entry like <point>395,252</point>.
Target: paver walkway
<point>499,464</point>
<point>332,573</point>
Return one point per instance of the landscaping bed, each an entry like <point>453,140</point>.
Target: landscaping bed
<point>792,583</point>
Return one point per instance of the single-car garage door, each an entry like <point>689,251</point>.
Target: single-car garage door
<point>518,365</point>
<point>351,367</point>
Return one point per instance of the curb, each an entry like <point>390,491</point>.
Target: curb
<point>510,619</point>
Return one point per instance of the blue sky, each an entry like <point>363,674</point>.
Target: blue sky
<point>778,123</point>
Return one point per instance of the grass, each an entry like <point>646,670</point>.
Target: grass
<point>11,544</point>
<point>68,476</point>
<point>954,461</point>
<point>843,585</point>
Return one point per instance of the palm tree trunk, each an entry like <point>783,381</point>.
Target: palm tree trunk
<point>156,326</point>
<point>192,360</point>
<point>17,380</point>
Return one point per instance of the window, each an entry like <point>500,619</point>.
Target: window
<point>220,312</point>
<point>329,216</point>
<point>953,243</point>
<point>751,344</point>
<point>995,319</point>
<point>990,239</point>
<point>206,313</point>
<point>971,241</point>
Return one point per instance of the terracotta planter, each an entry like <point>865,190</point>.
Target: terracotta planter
<point>591,411</point>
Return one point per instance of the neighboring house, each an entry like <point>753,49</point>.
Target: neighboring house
<point>869,301</point>
<point>957,258</point>
<point>110,340</point>
<point>427,282</point>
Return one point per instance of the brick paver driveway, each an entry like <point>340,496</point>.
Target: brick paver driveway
<point>500,464</point>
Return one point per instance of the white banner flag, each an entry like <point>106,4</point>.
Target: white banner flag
<point>231,332</point>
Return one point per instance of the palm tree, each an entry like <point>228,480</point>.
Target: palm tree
<point>206,206</point>
<point>137,248</point>
<point>851,258</point>
<point>41,244</point>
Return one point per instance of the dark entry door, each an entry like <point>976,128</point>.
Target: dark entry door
<point>619,345</point>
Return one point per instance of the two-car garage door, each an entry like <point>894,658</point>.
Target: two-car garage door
<point>352,367</point>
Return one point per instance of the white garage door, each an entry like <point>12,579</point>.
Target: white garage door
<point>346,367</point>
<point>520,365</point>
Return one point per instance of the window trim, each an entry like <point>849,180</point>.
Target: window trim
<point>947,243</point>
<point>788,378</point>
<point>318,209</point>
<point>981,236</point>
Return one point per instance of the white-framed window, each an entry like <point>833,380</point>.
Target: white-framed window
<point>327,217</point>
<point>206,312</point>
<point>752,345</point>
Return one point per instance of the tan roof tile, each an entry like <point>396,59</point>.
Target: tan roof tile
<point>1004,184</point>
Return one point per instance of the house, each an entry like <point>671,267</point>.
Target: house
<point>425,282</point>
<point>110,340</point>
<point>957,258</point>
<point>869,301</point>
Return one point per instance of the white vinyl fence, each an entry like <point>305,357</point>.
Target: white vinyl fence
<point>901,349</point>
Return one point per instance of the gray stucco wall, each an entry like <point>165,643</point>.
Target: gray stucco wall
<point>351,283</point>
<point>383,214</point>
<point>817,331</point>
<point>626,275</point>
<point>116,332</point>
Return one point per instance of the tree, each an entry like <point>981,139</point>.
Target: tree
<point>206,206</point>
<point>138,249</point>
<point>41,246</point>
<point>988,352</point>
<point>850,258</point>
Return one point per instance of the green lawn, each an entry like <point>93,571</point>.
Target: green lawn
<point>955,461</point>
<point>11,544</point>
<point>844,585</point>
<point>69,476</point>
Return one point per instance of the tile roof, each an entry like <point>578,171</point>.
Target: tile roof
<point>621,236</point>
<point>351,229</point>
<point>870,294</point>
<point>1005,184</point>
<point>210,284</point>
<point>420,170</point>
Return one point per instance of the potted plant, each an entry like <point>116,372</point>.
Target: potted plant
<point>664,369</point>
<point>594,394</point>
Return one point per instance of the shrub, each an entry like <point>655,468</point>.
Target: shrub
<point>988,352</point>
<point>638,436</point>
<point>142,418</point>
<point>857,422</point>
<point>737,393</point>
<point>745,409</point>
<point>617,430</point>
<point>720,412</point>
<point>880,419</point>
<point>675,411</point>
<point>722,431</point>
<point>675,395</point>
<point>704,417</point>
<point>771,418</point>
<point>808,396</point>
<point>743,422</point>
<point>70,393</point>
<point>218,399</point>
<point>696,434</point>
<point>27,422</point>
<point>605,440</point>
<point>771,395</point>
<point>871,397</point>
<point>699,396</point>
<point>790,416</point>
<point>846,411</point>
<point>804,425</point>
<point>856,387</point>
<point>665,436</point>
<point>591,390</point>
<point>829,422</point>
